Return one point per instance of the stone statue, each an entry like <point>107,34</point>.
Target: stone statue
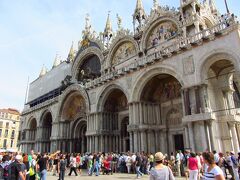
<point>119,22</point>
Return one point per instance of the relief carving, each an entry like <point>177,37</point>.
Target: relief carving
<point>124,51</point>
<point>188,65</point>
<point>164,31</point>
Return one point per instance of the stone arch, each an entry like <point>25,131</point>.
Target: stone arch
<point>106,92</point>
<point>73,89</point>
<point>78,135</point>
<point>118,43</point>
<point>210,58</point>
<point>143,79</point>
<point>31,121</point>
<point>82,56</point>
<point>154,24</point>
<point>32,130</point>
<point>45,113</point>
<point>45,124</point>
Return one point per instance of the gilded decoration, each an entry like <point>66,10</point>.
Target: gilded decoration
<point>73,107</point>
<point>163,32</point>
<point>168,91</point>
<point>124,51</point>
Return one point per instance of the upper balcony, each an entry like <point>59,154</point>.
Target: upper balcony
<point>162,52</point>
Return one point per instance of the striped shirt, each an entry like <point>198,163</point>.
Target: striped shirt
<point>211,174</point>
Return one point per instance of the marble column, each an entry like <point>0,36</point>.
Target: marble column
<point>234,137</point>
<point>210,126</point>
<point>191,136</point>
<point>135,145</point>
<point>143,141</point>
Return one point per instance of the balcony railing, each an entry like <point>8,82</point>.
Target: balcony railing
<point>161,53</point>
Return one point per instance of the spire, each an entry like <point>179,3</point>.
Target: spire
<point>139,15</point>
<point>139,5</point>
<point>88,26</point>
<point>56,61</point>
<point>212,5</point>
<point>155,4</point>
<point>119,22</point>
<point>107,35</point>
<point>43,71</point>
<point>108,27</point>
<point>71,55</point>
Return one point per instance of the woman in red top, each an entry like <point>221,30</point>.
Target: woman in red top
<point>193,167</point>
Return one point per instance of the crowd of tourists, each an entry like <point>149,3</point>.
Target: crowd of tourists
<point>193,166</point>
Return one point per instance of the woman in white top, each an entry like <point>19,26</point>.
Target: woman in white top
<point>212,171</point>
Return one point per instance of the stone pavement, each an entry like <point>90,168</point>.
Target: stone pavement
<point>102,177</point>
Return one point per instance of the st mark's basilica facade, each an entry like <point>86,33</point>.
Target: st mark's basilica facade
<point>173,83</point>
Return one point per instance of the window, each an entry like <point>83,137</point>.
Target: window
<point>13,134</point>
<point>7,125</point>
<point>0,132</point>
<point>6,133</point>
<point>1,124</point>
<point>11,143</point>
<point>4,143</point>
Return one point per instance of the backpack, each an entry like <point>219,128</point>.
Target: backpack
<point>235,163</point>
<point>225,164</point>
<point>6,171</point>
<point>62,165</point>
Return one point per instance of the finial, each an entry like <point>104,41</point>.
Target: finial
<point>71,53</point>
<point>119,22</point>
<point>139,5</point>
<point>108,28</point>
<point>43,71</point>
<point>87,30</point>
<point>139,16</point>
<point>155,4</point>
<point>56,61</point>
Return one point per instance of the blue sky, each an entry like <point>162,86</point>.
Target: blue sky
<point>33,31</point>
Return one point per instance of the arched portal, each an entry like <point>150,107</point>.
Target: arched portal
<point>124,134</point>
<point>222,83</point>
<point>115,108</point>
<point>161,110</point>
<point>32,130</point>
<point>79,136</point>
<point>73,127</point>
<point>46,127</point>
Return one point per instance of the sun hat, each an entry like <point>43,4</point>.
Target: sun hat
<point>18,157</point>
<point>159,156</point>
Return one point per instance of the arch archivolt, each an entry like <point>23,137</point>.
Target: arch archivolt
<point>43,115</point>
<point>152,26</point>
<point>125,46</point>
<point>144,78</point>
<point>29,122</point>
<point>75,126</point>
<point>82,56</point>
<point>210,58</point>
<point>78,90</point>
<point>103,95</point>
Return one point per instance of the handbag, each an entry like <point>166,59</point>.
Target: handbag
<point>31,171</point>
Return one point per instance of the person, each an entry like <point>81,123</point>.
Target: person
<point>73,165</point>
<point>211,171</point>
<point>62,164</point>
<point>192,165</point>
<point>222,164</point>
<point>5,166</point>
<point>15,169</point>
<point>160,171</point>
<point>32,165</point>
<point>42,167</point>
<point>234,165</point>
<point>138,165</point>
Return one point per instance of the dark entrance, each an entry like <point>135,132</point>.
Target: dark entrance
<point>179,144</point>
